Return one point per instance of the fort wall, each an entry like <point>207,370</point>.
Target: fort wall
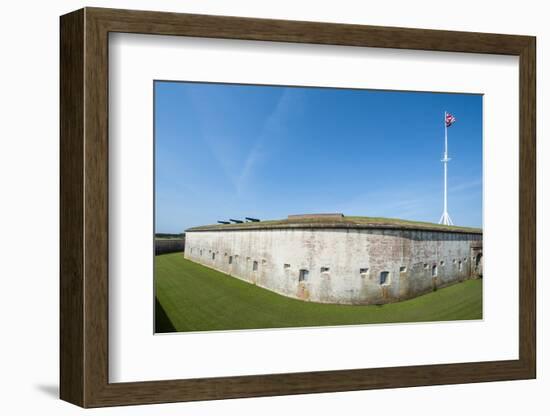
<point>347,266</point>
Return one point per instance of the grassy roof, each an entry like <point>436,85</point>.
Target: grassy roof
<point>345,222</point>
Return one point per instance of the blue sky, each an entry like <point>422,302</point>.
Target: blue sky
<point>229,151</point>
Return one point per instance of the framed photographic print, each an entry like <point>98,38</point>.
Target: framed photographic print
<point>255,207</point>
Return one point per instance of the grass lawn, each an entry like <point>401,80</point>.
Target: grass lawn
<point>191,297</point>
<point>349,221</point>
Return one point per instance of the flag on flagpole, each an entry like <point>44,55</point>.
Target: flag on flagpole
<point>449,119</point>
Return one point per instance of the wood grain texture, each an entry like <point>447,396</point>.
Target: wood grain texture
<point>527,207</point>
<point>71,213</point>
<point>84,207</point>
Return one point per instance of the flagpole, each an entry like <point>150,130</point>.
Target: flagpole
<point>445,218</point>
<point>445,170</point>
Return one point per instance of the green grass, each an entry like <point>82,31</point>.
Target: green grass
<point>191,297</point>
<point>352,221</point>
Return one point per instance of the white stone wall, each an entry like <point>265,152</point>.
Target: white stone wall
<point>280,254</point>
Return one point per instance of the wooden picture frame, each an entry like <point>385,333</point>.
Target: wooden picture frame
<point>84,207</point>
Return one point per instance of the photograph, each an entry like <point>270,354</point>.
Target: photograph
<point>288,206</point>
<point>316,207</point>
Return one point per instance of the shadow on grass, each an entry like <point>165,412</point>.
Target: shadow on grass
<point>162,321</point>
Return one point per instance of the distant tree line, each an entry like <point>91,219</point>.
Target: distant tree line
<point>168,235</point>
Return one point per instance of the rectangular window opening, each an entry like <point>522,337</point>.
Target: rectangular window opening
<point>384,278</point>
<point>303,275</point>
